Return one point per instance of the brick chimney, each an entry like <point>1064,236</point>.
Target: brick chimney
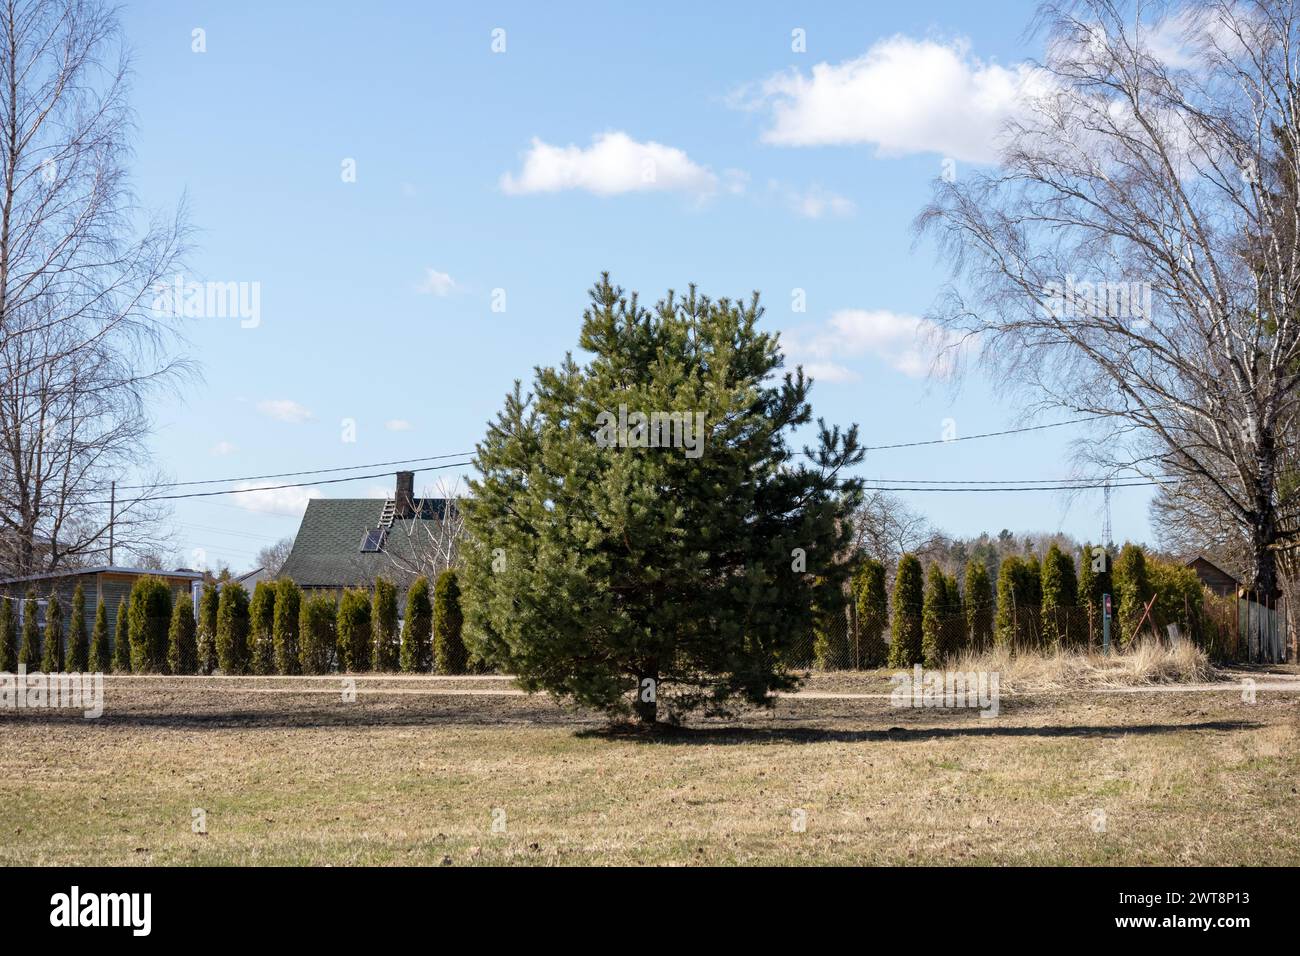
<point>404,499</point>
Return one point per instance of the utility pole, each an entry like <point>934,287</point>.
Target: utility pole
<point>1105,530</point>
<point>112,513</point>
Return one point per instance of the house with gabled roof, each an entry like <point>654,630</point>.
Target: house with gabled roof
<point>348,542</point>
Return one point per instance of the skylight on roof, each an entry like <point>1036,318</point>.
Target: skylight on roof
<point>373,541</point>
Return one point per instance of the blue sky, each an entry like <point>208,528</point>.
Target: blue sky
<point>668,144</point>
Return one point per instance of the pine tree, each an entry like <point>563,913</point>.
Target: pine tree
<point>182,641</point>
<point>122,638</point>
<point>233,625</point>
<point>621,574</point>
<point>52,653</point>
<point>317,634</point>
<point>934,637</point>
<point>872,600</point>
<point>354,631</point>
<point>284,627</point>
<point>448,620</point>
<point>29,653</point>
<point>8,637</point>
<point>148,620</point>
<point>905,630</point>
<point>78,642</point>
<point>384,626</point>
<point>261,621</point>
<point>1133,591</point>
<point>101,660</point>
<point>209,604</point>
<point>979,606</point>
<point>417,629</point>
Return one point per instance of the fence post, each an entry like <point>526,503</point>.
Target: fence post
<point>1105,623</point>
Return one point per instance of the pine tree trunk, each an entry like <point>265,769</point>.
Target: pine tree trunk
<point>647,711</point>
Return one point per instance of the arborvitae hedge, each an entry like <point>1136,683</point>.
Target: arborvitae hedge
<point>209,604</point>
<point>1060,599</point>
<point>1133,591</point>
<point>448,620</point>
<point>317,634</point>
<point>1009,574</point>
<point>261,622</point>
<point>182,640</point>
<point>8,637</point>
<point>78,640</point>
<point>936,643</point>
<point>29,652</point>
<point>284,628</point>
<point>52,652</point>
<point>1180,599</point>
<point>149,618</point>
<point>979,605</point>
<point>354,630</point>
<point>830,630</point>
<point>383,623</point>
<point>417,629</point>
<point>905,629</point>
<point>232,629</point>
<point>872,602</point>
<point>122,638</point>
<point>100,657</point>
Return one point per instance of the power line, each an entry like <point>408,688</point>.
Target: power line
<point>298,484</point>
<point>1113,484</point>
<point>949,441</point>
<point>292,474</point>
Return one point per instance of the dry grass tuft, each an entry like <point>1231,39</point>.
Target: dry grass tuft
<point>1145,663</point>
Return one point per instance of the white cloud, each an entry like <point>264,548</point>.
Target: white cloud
<point>829,372</point>
<point>815,203</point>
<point>273,500</point>
<point>903,96</point>
<point>437,283</point>
<point>284,410</point>
<point>614,163</point>
<point>398,425</point>
<point>907,343</point>
<point>223,448</point>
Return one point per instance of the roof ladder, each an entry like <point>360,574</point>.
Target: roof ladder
<point>386,516</point>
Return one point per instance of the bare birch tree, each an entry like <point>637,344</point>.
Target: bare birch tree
<point>81,348</point>
<point>1135,254</point>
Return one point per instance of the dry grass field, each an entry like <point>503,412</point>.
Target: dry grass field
<point>417,771</point>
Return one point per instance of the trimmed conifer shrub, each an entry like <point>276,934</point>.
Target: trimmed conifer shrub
<point>209,604</point>
<point>78,640</point>
<point>1133,590</point>
<point>1060,596</point>
<point>978,606</point>
<point>182,639</point>
<point>1005,629</point>
<point>317,634</point>
<point>905,628</point>
<point>101,653</point>
<point>8,637</point>
<point>232,629</point>
<point>52,651</point>
<point>872,602</point>
<point>29,651</point>
<point>354,631</point>
<point>830,628</point>
<point>448,620</point>
<point>284,627</point>
<point>122,638</point>
<point>261,622</point>
<point>387,646</point>
<point>149,618</point>
<point>417,629</point>
<point>937,643</point>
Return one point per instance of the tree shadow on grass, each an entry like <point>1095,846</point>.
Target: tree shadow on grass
<point>667,734</point>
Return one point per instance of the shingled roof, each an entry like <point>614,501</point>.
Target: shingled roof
<point>327,552</point>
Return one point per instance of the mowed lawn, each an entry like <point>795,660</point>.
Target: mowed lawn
<point>287,772</point>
